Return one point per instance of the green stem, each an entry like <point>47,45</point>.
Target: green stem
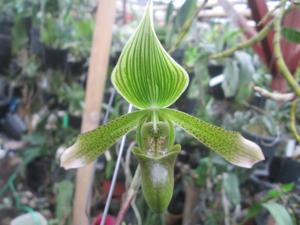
<point>186,27</point>
<point>255,39</point>
<point>269,15</point>
<point>278,53</point>
<point>293,121</point>
<point>131,193</point>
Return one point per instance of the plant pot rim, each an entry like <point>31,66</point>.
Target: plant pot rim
<point>270,138</point>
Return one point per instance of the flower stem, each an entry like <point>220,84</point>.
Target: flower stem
<point>131,193</point>
<point>278,53</point>
<point>257,38</point>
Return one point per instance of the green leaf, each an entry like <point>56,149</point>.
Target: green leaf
<point>278,192</point>
<point>253,211</point>
<point>279,213</point>
<point>288,187</point>
<point>229,144</point>
<point>247,72</point>
<point>291,34</point>
<point>64,196</point>
<point>170,10</point>
<point>90,145</point>
<point>231,78</point>
<point>145,75</point>
<point>232,187</point>
<point>184,13</point>
<point>183,16</point>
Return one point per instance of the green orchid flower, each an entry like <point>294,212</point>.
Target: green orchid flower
<point>149,79</point>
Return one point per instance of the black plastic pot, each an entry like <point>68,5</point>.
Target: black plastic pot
<point>177,203</point>
<point>258,101</point>
<point>4,98</point>
<point>178,56</point>
<point>3,87</point>
<point>216,79</point>
<point>51,100</point>
<point>186,104</point>
<point>55,58</point>
<point>75,121</point>
<point>215,87</point>
<point>38,174</point>
<point>36,47</point>
<point>13,125</point>
<point>191,153</point>
<point>267,144</point>
<point>113,60</point>
<point>76,67</point>
<point>4,106</point>
<point>215,69</point>
<point>27,21</point>
<point>5,46</point>
<point>284,170</point>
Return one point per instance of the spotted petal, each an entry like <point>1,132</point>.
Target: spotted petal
<point>228,144</point>
<point>146,75</point>
<point>90,145</point>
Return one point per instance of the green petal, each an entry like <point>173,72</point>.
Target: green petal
<point>229,144</point>
<point>90,145</point>
<point>146,76</point>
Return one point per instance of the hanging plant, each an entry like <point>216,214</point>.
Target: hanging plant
<point>149,79</point>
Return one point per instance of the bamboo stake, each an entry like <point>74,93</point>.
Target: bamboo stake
<point>191,199</point>
<point>93,101</point>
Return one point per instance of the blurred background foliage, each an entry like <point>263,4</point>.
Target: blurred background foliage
<point>44,57</point>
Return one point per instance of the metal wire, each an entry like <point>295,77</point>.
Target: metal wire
<point>115,175</point>
<point>110,102</point>
<point>105,119</point>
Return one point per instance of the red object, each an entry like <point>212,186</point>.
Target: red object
<point>264,49</point>
<point>241,22</point>
<point>110,220</point>
<point>290,51</point>
<point>119,188</point>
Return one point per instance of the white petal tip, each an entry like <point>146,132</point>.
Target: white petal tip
<point>252,154</point>
<point>68,159</point>
<point>74,164</point>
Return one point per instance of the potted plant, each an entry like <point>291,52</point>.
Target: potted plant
<point>5,44</point>
<point>72,96</point>
<point>263,131</point>
<point>54,36</point>
<point>284,170</point>
<point>4,97</point>
<point>79,45</point>
<point>156,152</point>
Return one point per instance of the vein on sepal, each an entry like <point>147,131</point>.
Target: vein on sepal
<point>145,75</point>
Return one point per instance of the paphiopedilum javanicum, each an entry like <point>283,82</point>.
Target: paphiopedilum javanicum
<point>149,79</point>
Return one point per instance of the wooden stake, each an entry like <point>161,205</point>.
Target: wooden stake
<point>190,202</point>
<point>93,101</point>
